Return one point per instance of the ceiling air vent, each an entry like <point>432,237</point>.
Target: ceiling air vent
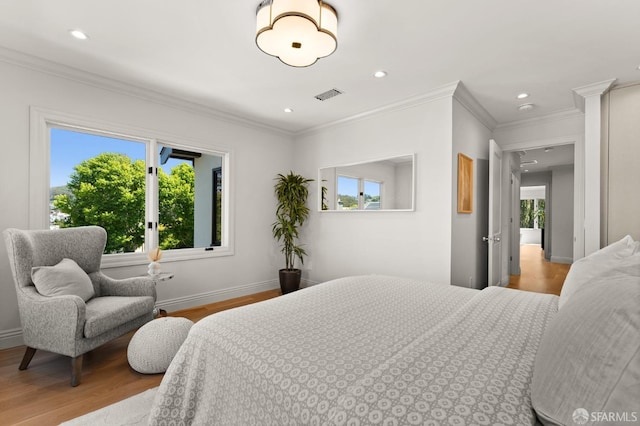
<point>328,94</point>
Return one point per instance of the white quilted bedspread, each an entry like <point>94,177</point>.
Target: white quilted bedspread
<point>361,351</point>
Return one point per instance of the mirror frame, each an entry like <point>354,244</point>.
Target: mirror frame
<point>412,208</point>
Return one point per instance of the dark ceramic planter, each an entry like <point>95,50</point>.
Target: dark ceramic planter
<point>289,280</point>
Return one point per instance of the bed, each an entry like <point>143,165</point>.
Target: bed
<point>391,351</point>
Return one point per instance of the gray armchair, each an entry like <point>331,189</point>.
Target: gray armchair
<point>66,324</point>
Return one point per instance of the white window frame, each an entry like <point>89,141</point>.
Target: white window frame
<point>41,120</point>
<point>360,191</point>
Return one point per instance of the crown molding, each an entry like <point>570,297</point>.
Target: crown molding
<point>441,92</point>
<point>536,121</point>
<point>53,68</point>
<point>594,89</point>
<point>465,97</point>
<point>625,85</point>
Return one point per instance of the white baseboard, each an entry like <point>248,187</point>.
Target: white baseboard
<point>191,301</point>
<point>304,283</point>
<point>12,338</point>
<point>558,259</point>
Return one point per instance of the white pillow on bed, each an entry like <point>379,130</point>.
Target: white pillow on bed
<point>589,356</point>
<point>599,263</point>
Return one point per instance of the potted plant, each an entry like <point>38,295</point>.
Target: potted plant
<point>291,191</point>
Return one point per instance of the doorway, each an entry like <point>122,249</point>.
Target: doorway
<point>531,214</point>
<point>531,177</point>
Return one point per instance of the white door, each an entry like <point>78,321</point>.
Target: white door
<point>494,239</point>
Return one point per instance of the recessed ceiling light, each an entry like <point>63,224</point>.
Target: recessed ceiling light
<point>79,34</point>
<point>548,149</point>
<point>288,110</point>
<point>380,74</point>
<point>525,107</point>
<point>526,171</point>
<point>523,96</point>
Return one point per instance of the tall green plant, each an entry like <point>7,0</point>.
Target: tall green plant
<point>292,192</point>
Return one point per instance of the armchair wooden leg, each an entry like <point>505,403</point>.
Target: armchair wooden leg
<point>76,370</point>
<point>26,359</point>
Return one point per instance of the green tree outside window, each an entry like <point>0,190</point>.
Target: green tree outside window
<point>109,190</point>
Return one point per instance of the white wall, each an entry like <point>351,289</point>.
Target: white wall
<point>403,185</point>
<point>562,214</point>
<point>469,264</point>
<point>557,129</point>
<point>530,236</point>
<point>532,193</point>
<point>413,244</point>
<point>621,171</point>
<point>257,156</point>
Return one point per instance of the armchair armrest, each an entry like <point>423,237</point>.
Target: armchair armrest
<point>52,323</point>
<point>136,286</point>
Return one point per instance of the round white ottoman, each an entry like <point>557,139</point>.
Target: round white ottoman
<point>154,345</point>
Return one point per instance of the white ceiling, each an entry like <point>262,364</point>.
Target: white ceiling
<point>204,51</point>
<point>544,159</point>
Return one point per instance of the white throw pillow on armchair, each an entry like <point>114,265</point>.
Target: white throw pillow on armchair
<point>65,278</point>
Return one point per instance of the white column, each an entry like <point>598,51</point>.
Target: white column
<point>592,95</point>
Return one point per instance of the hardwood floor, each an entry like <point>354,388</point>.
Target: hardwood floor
<point>41,395</point>
<point>537,274</point>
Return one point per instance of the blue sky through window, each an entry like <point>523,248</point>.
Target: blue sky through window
<point>69,148</point>
<point>349,186</point>
<point>371,188</point>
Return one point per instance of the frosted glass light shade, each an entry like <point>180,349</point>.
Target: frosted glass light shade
<point>298,32</point>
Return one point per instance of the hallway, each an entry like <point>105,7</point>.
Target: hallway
<point>537,274</point>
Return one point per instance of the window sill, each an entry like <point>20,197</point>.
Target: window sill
<point>135,259</point>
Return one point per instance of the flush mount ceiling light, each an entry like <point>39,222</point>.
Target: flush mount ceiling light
<point>522,96</point>
<point>298,32</point>
<point>380,74</point>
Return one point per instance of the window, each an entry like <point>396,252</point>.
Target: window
<point>99,180</point>
<point>145,191</point>
<point>532,213</point>
<point>372,195</point>
<point>216,231</point>
<point>190,199</point>
<point>347,193</point>
<point>358,194</point>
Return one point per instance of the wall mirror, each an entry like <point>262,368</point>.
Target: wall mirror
<point>385,184</point>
